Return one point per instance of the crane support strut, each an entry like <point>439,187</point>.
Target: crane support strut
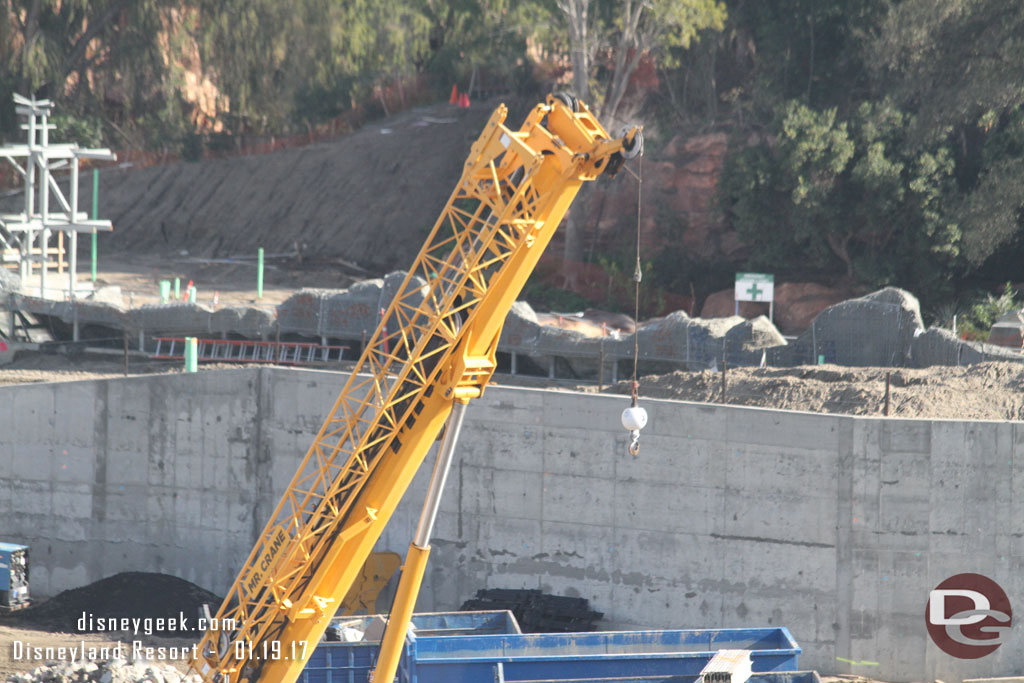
<point>419,551</point>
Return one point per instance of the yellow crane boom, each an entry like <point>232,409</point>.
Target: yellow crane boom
<point>433,351</point>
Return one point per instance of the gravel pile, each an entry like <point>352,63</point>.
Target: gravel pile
<point>109,671</point>
<point>159,598</point>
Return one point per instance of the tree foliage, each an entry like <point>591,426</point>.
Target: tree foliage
<point>849,197</point>
<point>89,54</point>
<point>903,161</point>
<point>880,141</point>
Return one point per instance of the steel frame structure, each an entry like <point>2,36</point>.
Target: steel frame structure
<point>37,223</point>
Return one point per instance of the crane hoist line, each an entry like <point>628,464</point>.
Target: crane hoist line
<point>432,352</point>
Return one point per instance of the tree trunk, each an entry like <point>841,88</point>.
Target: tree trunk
<point>627,55</point>
<point>840,246</point>
<point>577,15</point>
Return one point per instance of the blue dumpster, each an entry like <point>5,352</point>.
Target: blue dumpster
<point>628,655</point>
<point>340,662</point>
<point>484,647</point>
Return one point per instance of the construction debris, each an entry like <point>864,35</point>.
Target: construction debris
<point>535,611</point>
<point>114,670</point>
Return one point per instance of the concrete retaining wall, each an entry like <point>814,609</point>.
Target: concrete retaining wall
<point>834,526</point>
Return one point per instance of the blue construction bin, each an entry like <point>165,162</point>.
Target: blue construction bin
<point>629,655</point>
<point>350,662</point>
<point>480,654</point>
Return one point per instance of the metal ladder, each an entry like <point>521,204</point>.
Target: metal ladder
<point>244,351</point>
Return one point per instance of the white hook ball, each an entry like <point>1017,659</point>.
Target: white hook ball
<point>634,418</point>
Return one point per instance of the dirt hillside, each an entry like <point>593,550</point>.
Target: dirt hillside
<point>370,197</point>
<point>985,391</point>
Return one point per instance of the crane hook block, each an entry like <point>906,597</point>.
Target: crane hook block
<point>634,418</point>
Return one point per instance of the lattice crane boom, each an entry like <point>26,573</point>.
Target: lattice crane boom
<point>434,348</point>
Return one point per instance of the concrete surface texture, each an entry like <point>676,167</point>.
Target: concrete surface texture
<point>836,527</point>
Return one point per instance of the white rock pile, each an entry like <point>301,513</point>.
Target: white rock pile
<point>108,671</point>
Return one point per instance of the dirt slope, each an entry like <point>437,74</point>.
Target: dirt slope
<point>985,391</point>
<point>371,196</point>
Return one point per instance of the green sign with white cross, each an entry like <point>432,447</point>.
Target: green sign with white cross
<point>755,287</point>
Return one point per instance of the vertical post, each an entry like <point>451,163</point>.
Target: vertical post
<point>177,288</point>
<point>95,215</point>
<point>888,380</point>
<point>72,219</point>
<point>44,209</point>
<point>30,196</point>
<point>725,370</point>
<point>126,353</point>
<point>191,354</point>
<point>259,273</point>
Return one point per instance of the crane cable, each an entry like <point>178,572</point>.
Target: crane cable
<point>637,277</point>
<point>634,417</point>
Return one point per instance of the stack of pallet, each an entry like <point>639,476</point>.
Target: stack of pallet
<point>535,611</point>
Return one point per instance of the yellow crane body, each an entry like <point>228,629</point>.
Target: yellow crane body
<point>435,347</point>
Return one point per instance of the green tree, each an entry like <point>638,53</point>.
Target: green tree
<point>851,196</point>
<point>101,58</point>
<point>956,64</point>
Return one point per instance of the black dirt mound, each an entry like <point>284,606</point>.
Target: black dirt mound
<point>158,600</point>
<point>537,612</point>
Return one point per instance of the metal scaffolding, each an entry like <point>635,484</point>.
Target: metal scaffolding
<point>25,237</point>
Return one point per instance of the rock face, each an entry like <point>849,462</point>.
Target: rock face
<point>938,346</point>
<point>796,304</point>
<point>346,313</point>
<point>678,210</point>
<point>753,336</point>
<point>876,329</point>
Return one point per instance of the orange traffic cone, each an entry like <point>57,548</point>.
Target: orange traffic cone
<point>454,99</point>
<point>464,101</point>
